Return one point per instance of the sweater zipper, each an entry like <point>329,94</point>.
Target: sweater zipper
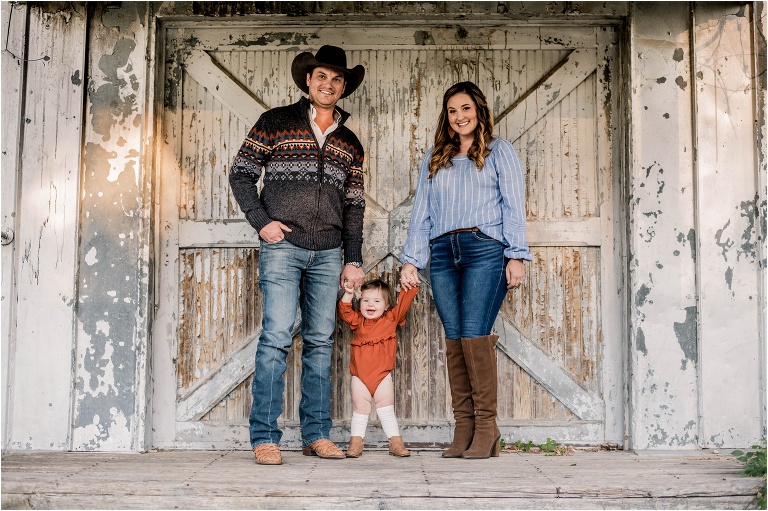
<point>320,164</point>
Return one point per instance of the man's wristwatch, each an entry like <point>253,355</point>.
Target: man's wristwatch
<point>356,264</point>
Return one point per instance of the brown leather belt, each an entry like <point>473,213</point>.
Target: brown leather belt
<point>468,229</point>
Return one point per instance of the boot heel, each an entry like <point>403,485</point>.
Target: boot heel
<point>495,448</point>
<point>308,451</point>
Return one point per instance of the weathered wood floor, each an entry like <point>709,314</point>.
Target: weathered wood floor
<point>231,480</point>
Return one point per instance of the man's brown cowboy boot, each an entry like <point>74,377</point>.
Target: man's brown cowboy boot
<point>355,449</point>
<point>268,454</point>
<point>323,448</point>
<point>480,354</point>
<point>461,399</point>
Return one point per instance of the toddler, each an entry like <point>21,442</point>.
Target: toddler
<point>372,358</point>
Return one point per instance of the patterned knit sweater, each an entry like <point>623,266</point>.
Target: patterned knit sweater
<point>317,192</point>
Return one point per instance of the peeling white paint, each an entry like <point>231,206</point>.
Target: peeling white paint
<point>663,397</point>
<point>103,382</point>
<point>101,433</point>
<point>90,257</point>
<point>102,327</point>
<point>729,235</point>
<point>693,229</point>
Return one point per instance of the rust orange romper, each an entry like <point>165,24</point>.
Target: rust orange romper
<point>374,344</point>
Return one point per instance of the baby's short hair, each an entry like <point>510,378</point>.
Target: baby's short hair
<point>382,286</point>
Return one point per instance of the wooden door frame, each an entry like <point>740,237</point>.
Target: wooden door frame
<point>13,92</point>
<point>612,360</point>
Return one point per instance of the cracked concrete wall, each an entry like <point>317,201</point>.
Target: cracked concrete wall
<point>695,234</point>
<point>113,277</point>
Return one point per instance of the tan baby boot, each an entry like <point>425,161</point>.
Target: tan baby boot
<point>355,449</point>
<point>396,447</point>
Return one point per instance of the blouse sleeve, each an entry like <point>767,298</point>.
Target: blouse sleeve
<point>416,250</point>
<point>404,301</point>
<point>349,315</point>
<point>512,187</point>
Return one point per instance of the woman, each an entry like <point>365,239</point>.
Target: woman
<point>468,223</point>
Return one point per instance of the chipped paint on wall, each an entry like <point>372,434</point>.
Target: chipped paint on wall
<point>739,237</point>
<point>695,243</point>
<point>730,254</point>
<point>662,234</point>
<point>640,341</point>
<point>110,345</point>
<point>687,337</point>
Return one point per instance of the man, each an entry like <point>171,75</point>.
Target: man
<point>311,204</point>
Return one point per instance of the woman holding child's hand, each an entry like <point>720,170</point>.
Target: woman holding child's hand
<point>468,223</point>
<point>409,276</point>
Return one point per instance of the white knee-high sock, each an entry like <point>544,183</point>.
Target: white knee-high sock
<point>359,423</point>
<point>388,420</point>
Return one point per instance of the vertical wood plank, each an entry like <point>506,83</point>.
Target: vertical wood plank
<point>14,23</point>
<point>171,176</point>
<point>729,235</point>
<point>430,331</point>
<point>187,99</point>
<point>41,398</point>
<point>761,148</point>
<point>608,361</point>
<point>662,235</point>
<point>592,170</point>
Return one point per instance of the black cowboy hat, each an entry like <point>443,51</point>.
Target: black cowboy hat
<point>331,57</point>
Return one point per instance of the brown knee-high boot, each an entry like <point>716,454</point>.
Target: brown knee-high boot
<point>480,354</point>
<point>461,399</point>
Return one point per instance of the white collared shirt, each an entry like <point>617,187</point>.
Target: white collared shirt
<point>321,135</point>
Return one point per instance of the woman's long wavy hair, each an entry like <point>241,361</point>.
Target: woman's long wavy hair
<point>447,143</point>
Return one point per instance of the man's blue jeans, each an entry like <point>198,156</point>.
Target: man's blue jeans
<point>468,274</point>
<point>289,274</point>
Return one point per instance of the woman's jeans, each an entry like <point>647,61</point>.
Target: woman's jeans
<point>468,274</point>
<point>289,274</point>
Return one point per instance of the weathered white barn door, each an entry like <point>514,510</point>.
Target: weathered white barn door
<point>553,91</point>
